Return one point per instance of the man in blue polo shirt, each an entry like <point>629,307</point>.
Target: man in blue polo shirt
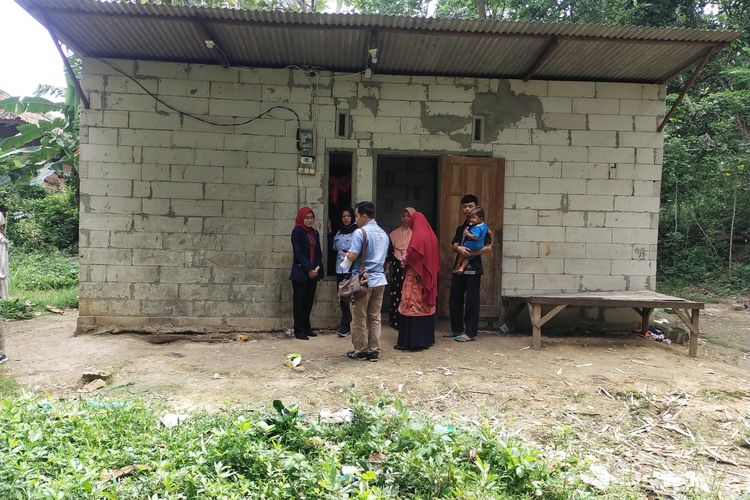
<point>366,310</point>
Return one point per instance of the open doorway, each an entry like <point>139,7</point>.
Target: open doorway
<point>339,197</point>
<point>405,181</point>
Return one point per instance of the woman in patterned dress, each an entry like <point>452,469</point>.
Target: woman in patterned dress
<point>416,328</point>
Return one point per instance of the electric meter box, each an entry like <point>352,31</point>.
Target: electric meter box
<point>304,139</point>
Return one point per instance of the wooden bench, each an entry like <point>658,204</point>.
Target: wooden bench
<point>642,302</point>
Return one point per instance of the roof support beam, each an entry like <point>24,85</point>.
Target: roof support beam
<point>687,87</point>
<point>209,41</point>
<point>436,32</point>
<point>68,67</point>
<point>552,44</point>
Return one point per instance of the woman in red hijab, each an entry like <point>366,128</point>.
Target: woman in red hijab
<point>416,328</point>
<point>307,270</point>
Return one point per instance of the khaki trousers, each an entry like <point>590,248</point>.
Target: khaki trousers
<point>366,320</point>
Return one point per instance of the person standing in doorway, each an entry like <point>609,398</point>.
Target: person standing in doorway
<point>464,299</point>
<point>341,243</point>
<point>307,270</point>
<point>366,309</point>
<point>394,267</point>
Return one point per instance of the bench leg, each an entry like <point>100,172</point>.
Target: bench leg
<point>536,318</point>
<point>693,350</point>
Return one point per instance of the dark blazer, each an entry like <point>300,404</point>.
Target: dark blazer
<point>301,264</point>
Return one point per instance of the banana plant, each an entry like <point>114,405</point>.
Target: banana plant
<point>40,149</point>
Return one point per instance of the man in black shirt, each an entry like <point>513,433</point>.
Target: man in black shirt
<point>464,294</point>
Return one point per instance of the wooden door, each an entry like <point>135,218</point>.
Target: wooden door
<point>484,177</point>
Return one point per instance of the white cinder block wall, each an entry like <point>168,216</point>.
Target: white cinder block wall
<point>187,223</point>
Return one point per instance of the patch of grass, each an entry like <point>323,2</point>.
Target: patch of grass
<point>8,386</point>
<point>61,449</point>
<point>15,309</point>
<point>42,271</point>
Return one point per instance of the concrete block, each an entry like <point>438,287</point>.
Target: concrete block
<point>451,93</point>
<point>520,249</point>
<point>167,308</point>
<point>402,142</point>
<point>203,291</point>
<point>183,88</point>
<point>276,160</point>
<point>94,239</point>
<point>587,266</point>
<point>610,122</point>
<point>520,217</point>
<point>111,204</point>
<point>536,168</point>
<point>626,267</point>
<point>541,234</point>
<point>403,92</point>
<point>184,173</point>
<point>642,107</point>
<point>220,158</point>
<point>557,104</point>
<point>248,175</point>
<point>654,92</point>
<point>106,153</point>
<point>597,138</point>
<point>646,188</point>
<point>193,241</point>
<point>153,291</point>
<point>107,187</point>
<point>514,282</point>
<point>192,275</point>
<point>550,218</point>
<point>513,136</point>
<point>95,273</point>
<point>602,283</point>
<point>585,170</point>
<point>571,89</point>
<point>97,135</point>
<point>610,187</point>
<point>522,185</point>
<point>168,156</point>
<point>152,172</point>
<point>201,140</point>
<point>229,192</point>
<point>267,76</point>
<point>555,282</point>
<point>213,73</point>
<point>588,235</point>
<point>401,109</point>
<point>567,186</point>
<point>562,250</point>
<point>458,110</point>
<point>629,219</point>
<point>640,236</point>
<point>130,137</point>
<point>104,256</point>
<point>198,208</point>
<point>155,223</point>
<point>516,153</point>
<point>573,219</point>
<point>590,202</point>
<point>646,124</point>
<point>532,87</point>
<point>248,210</point>
<point>229,225</point>
<point>230,107</point>
<point>598,106</point>
<point>151,120</point>
<point>645,156</point>
<point>277,194</point>
<point>188,190</point>
<point>243,142</point>
<point>131,239</point>
<point>241,91</point>
<point>641,139</point>
<point>564,121</point>
<point>128,102</point>
<point>156,206</point>
<point>564,153</point>
<point>105,222</point>
<point>608,251</point>
<point>611,155</point>
<point>544,265</point>
<point>539,201</point>
<point>637,204</point>
<point>132,274</point>
<point>92,66</point>
<point>551,137</point>
<point>619,90</point>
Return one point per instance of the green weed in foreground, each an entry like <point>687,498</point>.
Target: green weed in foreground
<point>61,449</point>
<point>42,271</point>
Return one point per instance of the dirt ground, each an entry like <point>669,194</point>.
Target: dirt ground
<point>645,410</point>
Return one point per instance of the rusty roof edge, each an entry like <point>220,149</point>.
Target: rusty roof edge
<point>359,21</point>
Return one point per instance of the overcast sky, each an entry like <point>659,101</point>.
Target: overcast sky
<point>27,54</point>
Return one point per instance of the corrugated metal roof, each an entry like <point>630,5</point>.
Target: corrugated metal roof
<point>339,42</point>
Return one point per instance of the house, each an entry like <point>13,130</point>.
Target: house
<point>9,122</point>
<point>206,129</point>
